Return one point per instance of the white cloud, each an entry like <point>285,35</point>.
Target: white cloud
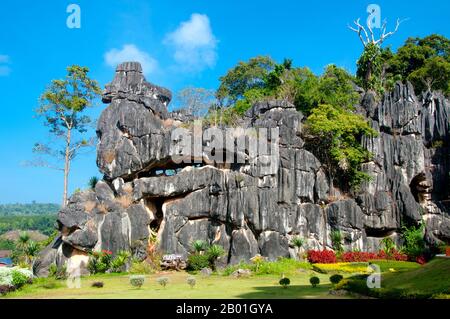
<point>194,43</point>
<point>131,53</point>
<point>4,69</point>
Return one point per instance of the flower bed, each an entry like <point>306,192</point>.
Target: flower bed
<point>329,257</point>
<point>14,278</point>
<point>321,256</point>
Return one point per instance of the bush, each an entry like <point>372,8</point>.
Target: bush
<point>414,243</point>
<point>19,279</point>
<point>57,273</point>
<point>118,264</point>
<point>97,284</point>
<point>197,262</point>
<point>163,281</point>
<point>214,252</point>
<point>285,282</point>
<point>100,262</point>
<point>14,277</point>
<point>314,281</point>
<point>321,256</point>
<point>191,281</point>
<point>336,239</point>
<point>199,245</point>
<point>141,267</point>
<point>137,280</point>
<point>335,279</point>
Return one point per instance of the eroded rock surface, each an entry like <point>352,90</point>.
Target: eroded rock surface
<point>244,208</point>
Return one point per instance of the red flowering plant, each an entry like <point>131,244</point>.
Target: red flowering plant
<point>321,256</point>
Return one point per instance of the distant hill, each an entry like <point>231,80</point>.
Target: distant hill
<point>15,234</point>
<point>31,209</point>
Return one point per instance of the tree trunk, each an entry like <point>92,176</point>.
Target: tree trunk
<point>66,167</point>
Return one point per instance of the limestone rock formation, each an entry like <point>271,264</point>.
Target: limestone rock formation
<point>243,207</point>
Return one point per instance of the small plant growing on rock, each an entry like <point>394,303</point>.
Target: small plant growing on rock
<point>191,281</point>
<point>336,239</point>
<point>285,282</point>
<point>314,281</point>
<point>335,279</point>
<point>137,280</point>
<point>163,281</point>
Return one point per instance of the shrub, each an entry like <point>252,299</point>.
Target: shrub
<point>214,252</point>
<point>285,282</point>
<point>321,256</point>
<point>199,245</point>
<point>19,279</point>
<point>15,277</point>
<point>314,281</point>
<point>99,262</point>
<point>191,281</point>
<point>336,239</point>
<point>56,272</point>
<point>141,267</point>
<point>97,284</point>
<point>257,260</point>
<point>387,245</point>
<point>197,262</point>
<point>335,279</point>
<point>414,244</point>
<point>137,280</point>
<point>163,281</point>
<point>118,264</point>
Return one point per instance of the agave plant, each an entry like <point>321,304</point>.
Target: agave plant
<point>199,246</point>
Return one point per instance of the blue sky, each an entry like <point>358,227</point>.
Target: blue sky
<point>181,43</point>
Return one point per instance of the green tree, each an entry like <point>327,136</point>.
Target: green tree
<point>62,105</point>
<point>334,137</point>
<point>243,77</point>
<point>423,61</point>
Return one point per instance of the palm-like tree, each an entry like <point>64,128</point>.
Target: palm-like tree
<point>23,240</point>
<point>30,251</point>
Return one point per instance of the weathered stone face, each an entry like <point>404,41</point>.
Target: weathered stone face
<point>242,207</point>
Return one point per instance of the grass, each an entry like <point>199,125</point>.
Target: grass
<point>433,277</point>
<point>428,281</point>
<point>284,266</point>
<point>214,287</point>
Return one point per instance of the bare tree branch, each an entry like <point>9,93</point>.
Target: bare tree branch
<point>359,30</point>
<point>385,35</point>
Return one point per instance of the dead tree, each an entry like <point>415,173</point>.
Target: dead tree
<point>369,37</point>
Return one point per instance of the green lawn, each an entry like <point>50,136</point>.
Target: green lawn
<point>407,281</point>
<point>118,286</point>
<point>433,277</point>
